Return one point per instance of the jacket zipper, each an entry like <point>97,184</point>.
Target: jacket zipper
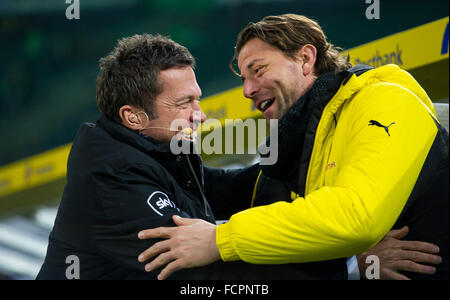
<point>205,202</point>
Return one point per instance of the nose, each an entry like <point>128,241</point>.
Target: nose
<point>197,114</point>
<point>250,88</point>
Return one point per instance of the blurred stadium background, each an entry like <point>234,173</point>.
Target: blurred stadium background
<point>48,68</point>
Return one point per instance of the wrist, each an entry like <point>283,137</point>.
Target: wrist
<point>360,258</point>
<point>214,248</point>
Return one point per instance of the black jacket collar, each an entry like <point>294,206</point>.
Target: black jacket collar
<point>296,132</point>
<point>297,129</point>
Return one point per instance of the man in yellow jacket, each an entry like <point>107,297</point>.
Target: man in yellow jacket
<point>360,152</point>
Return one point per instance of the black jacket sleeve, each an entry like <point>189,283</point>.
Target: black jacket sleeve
<point>131,200</point>
<point>230,191</point>
<point>126,200</point>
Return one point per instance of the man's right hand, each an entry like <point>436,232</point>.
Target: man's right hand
<point>397,255</point>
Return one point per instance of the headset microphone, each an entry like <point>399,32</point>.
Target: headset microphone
<point>187,133</point>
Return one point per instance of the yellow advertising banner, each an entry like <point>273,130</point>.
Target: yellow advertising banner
<point>409,49</point>
<point>35,170</point>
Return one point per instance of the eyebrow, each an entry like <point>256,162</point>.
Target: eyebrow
<point>251,64</point>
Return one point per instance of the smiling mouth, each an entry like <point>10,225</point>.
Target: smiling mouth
<point>263,106</point>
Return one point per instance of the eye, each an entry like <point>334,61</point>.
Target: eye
<point>188,101</point>
<point>183,104</point>
<point>259,68</point>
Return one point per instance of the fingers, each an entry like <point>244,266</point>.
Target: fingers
<point>418,246</point>
<point>411,245</point>
<point>170,269</point>
<point>160,232</point>
<point>421,257</point>
<point>154,250</point>
<point>184,221</point>
<point>166,232</point>
<point>410,266</point>
<point>398,233</point>
<point>161,260</point>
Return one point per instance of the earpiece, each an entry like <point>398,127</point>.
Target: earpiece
<point>132,118</point>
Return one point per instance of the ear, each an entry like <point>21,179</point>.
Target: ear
<point>308,55</point>
<point>129,118</point>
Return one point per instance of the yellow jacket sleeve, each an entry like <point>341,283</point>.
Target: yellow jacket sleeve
<point>376,176</point>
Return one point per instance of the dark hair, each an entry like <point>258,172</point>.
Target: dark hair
<point>129,74</point>
<point>290,33</point>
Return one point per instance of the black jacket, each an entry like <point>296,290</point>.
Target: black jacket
<point>120,182</point>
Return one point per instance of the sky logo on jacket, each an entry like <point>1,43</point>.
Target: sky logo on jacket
<point>159,201</point>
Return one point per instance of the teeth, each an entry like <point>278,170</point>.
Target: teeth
<point>265,104</point>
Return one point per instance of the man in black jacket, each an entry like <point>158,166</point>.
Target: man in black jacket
<point>122,176</point>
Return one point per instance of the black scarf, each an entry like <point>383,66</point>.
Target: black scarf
<point>297,130</point>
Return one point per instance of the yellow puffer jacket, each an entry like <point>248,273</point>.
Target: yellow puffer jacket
<point>358,181</point>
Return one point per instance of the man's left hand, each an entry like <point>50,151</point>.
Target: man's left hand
<point>191,244</point>
<point>397,255</point>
